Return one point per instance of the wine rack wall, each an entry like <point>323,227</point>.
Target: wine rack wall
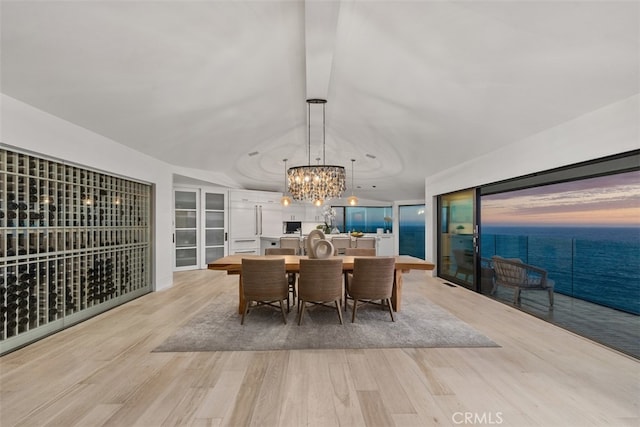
<point>73,243</point>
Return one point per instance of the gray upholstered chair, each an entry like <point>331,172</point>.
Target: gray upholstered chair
<point>513,273</point>
<point>360,251</point>
<point>372,279</point>
<point>291,277</point>
<point>320,282</point>
<point>264,281</point>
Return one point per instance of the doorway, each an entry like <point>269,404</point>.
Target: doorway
<point>458,237</point>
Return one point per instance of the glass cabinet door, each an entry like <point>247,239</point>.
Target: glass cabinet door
<point>186,229</point>
<point>214,227</point>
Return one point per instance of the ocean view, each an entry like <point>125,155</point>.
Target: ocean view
<point>597,264</point>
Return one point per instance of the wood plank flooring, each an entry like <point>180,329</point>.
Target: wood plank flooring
<point>103,373</point>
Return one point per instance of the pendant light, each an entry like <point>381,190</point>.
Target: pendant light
<point>285,200</point>
<point>352,200</point>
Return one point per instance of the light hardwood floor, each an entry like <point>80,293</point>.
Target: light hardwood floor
<point>102,372</point>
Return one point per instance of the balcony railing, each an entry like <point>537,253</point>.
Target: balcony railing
<point>599,271</point>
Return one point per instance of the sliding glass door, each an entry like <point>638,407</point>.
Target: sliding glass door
<point>457,237</point>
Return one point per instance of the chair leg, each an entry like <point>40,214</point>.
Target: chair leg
<point>284,316</point>
<point>353,315</point>
<point>301,311</point>
<point>244,311</point>
<point>390,309</point>
<point>339,308</point>
<point>550,299</point>
<point>516,296</point>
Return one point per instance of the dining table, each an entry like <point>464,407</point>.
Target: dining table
<point>232,264</point>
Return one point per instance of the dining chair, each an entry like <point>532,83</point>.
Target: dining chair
<point>290,242</point>
<point>340,244</point>
<point>360,251</point>
<point>365,242</point>
<point>264,282</point>
<point>372,279</point>
<point>291,277</point>
<point>320,282</point>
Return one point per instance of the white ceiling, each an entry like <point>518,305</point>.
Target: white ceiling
<point>420,85</point>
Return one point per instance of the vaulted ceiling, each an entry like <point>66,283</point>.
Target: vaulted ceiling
<point>412,87</point>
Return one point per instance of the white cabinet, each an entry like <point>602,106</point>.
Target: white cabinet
<point>253,214</point>
<point>305,212</point>
<point>199,227</point>
<point>313,214</point>
<point>294,212</point>
<point>385,245</point>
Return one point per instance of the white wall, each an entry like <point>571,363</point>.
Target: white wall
<point>610,130</point>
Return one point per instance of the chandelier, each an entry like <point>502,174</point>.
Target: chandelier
<point>316,183</point>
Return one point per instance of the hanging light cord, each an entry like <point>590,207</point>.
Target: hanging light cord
<point>352,161</point>
<point>309,134</point>
<point>324,162</point>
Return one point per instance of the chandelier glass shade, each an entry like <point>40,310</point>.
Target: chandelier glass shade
<point>285,200</point>
<point>316,183</point>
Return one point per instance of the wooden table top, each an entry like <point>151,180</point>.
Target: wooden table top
<point>233,263</point>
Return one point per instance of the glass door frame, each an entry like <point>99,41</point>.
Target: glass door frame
<point>472,238</point>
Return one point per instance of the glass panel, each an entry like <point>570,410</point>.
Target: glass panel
<point>214,201</point>
<point>412,231</point>
<point>586,236</point>
<point>368,219</point>
<point>214,220</point>
<point>213,254</point>
<point>185,257</point>
<point>185,200</point>
<point>185,238</point>
<point>214,237</point>
<point>456,237</point>
<point>186,219</point>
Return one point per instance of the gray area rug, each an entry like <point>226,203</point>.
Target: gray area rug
<point>420,324</point>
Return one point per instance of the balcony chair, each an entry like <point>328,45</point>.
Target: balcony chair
<point>264,281</point>
<point>513,273</point>
<point>291,277</point>
<point>372,279</point>
<point>464,262</point>
<point>320,282</point>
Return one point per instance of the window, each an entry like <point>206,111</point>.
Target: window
<point>411,230</point>
<point>363,218</point>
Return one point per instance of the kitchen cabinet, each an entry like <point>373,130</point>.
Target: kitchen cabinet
<point>385,245</point>
<point>253,214</point>
<point>294,212</point>
<point>304,212</point>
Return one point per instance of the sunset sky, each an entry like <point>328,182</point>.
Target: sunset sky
<point>604,201</point>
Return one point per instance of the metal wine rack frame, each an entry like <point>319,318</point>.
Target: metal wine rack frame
<point>74,242</point>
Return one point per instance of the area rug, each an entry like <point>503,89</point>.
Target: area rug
<point>419,324</point>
